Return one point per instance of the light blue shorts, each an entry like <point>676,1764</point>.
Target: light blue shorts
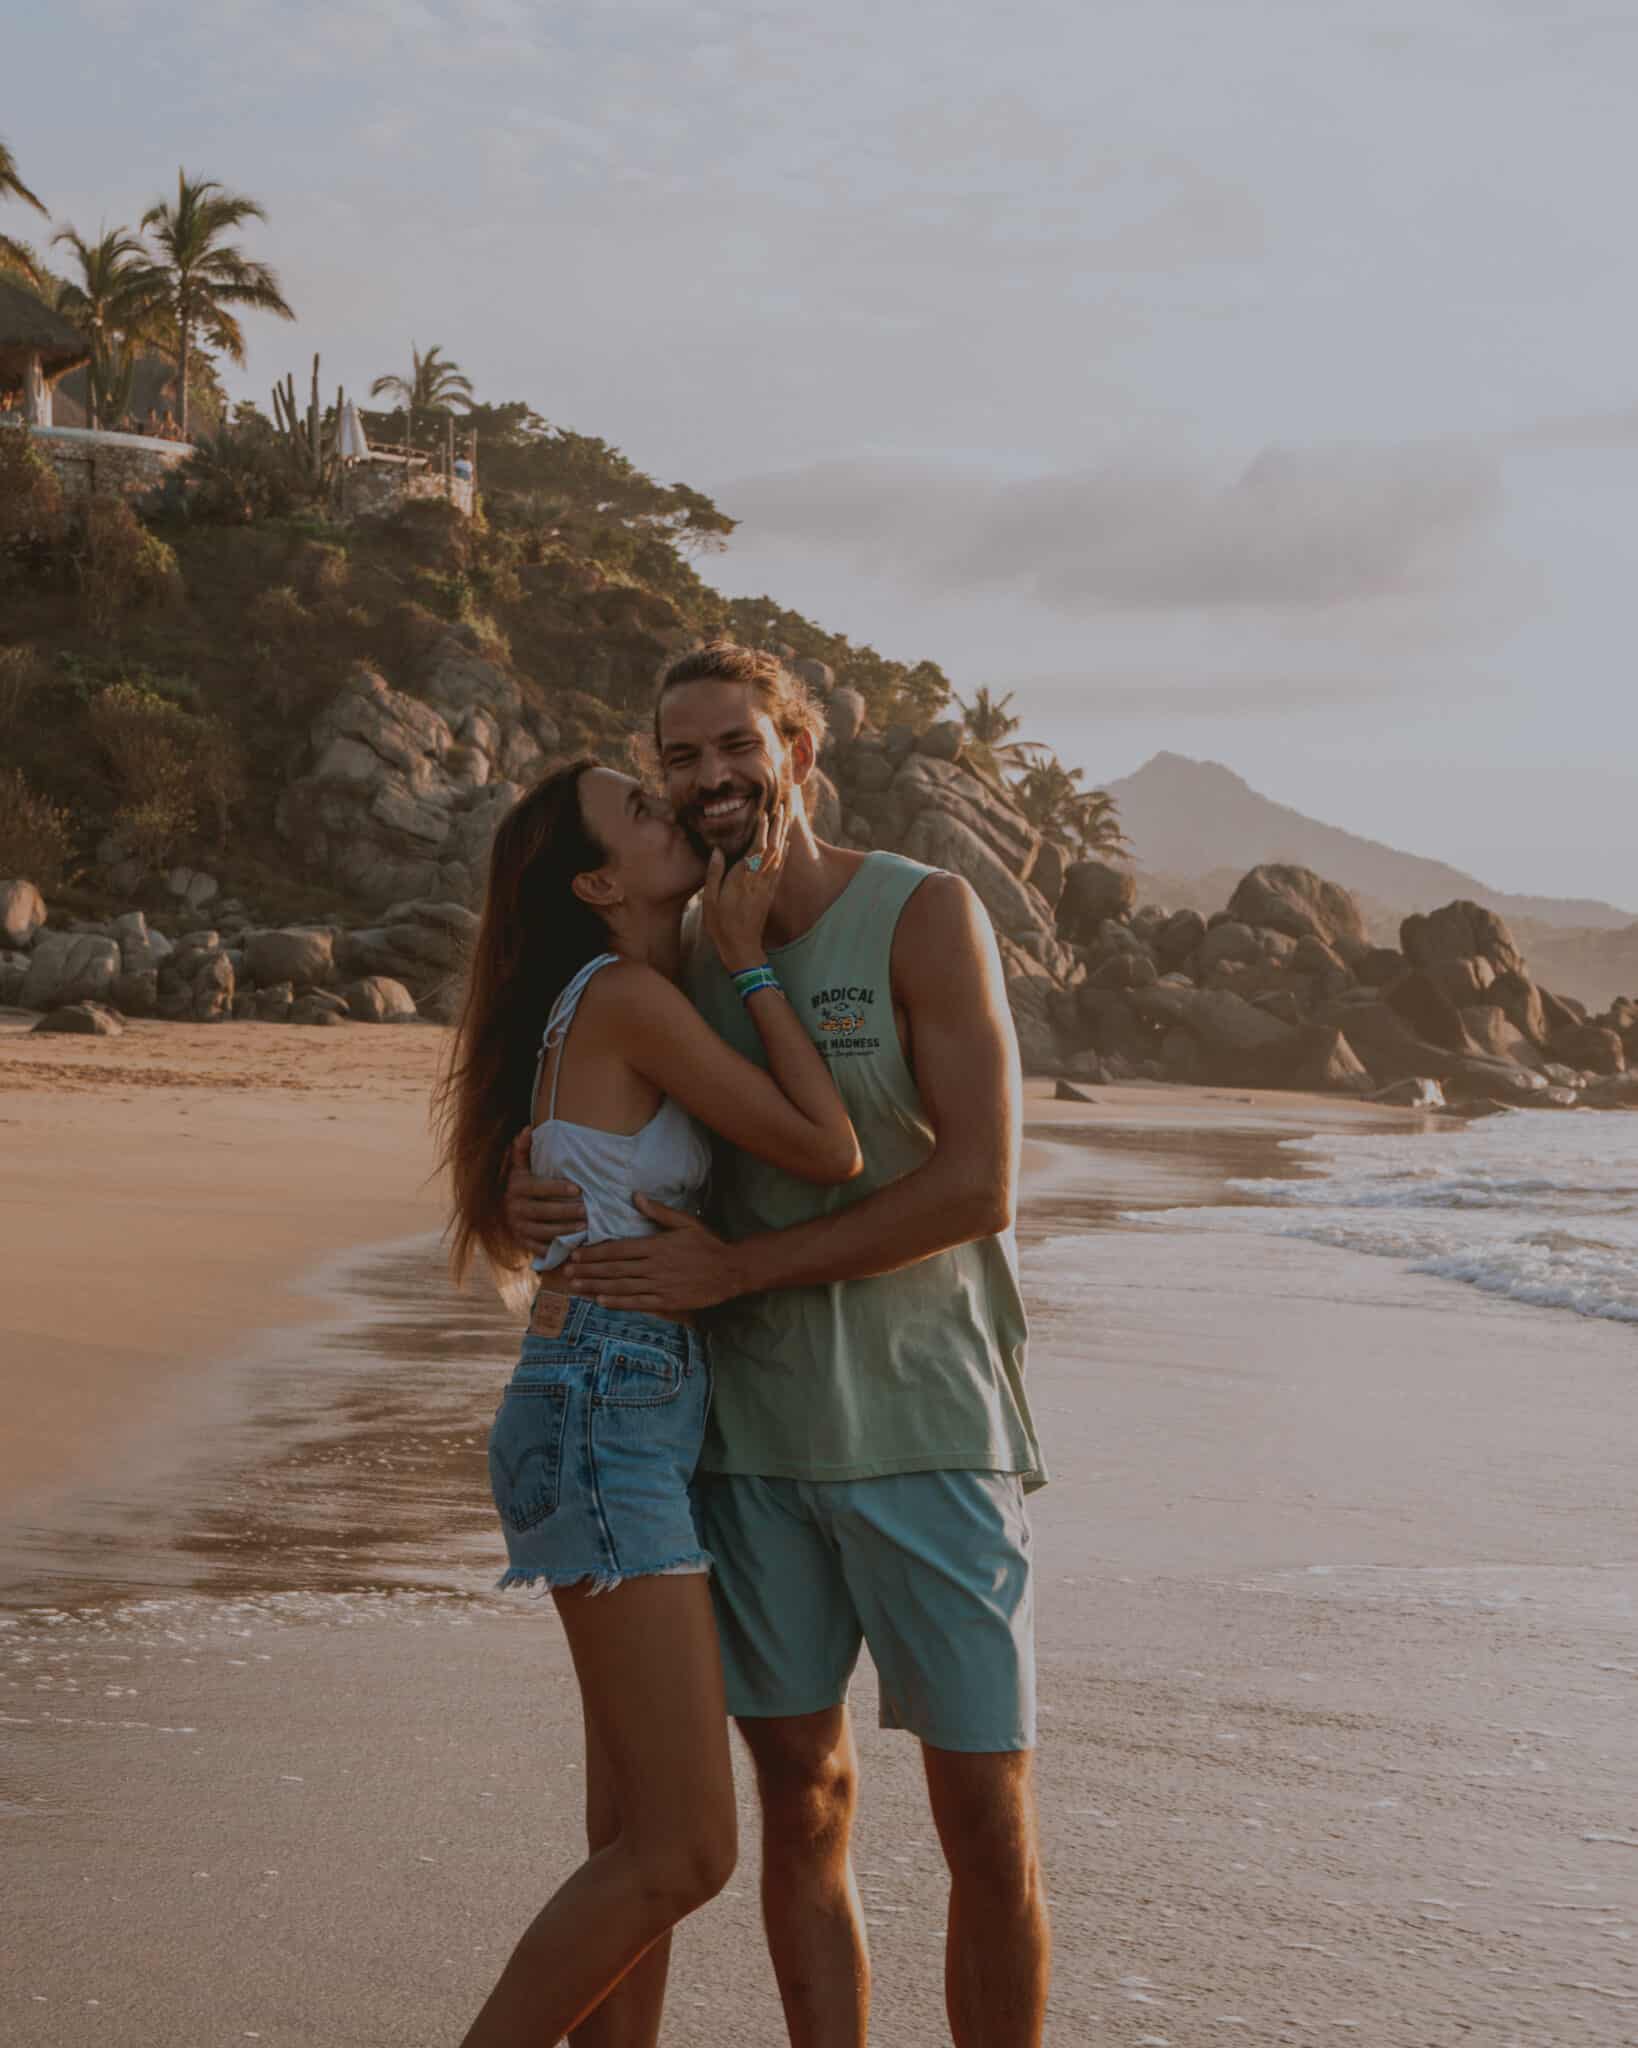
<point>592,1449</point>
<point>930,1570</point>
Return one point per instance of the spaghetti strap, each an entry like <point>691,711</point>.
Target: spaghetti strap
<point>557,1028</point>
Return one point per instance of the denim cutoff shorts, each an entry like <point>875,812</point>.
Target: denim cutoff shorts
<point>593,1447</point>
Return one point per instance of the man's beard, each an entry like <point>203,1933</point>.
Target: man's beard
<point>764,800</point>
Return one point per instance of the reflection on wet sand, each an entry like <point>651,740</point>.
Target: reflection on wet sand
<point>351,1457</point>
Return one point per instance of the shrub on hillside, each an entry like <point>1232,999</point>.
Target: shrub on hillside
<point>242,474</point>
<point>279,613</point>
<point>22,673</point>
<point>124,567</point>
<point>172,769</point>
<point>32,520</point>
<point>35,836</point>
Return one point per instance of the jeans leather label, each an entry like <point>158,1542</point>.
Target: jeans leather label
<point>549,1314</point>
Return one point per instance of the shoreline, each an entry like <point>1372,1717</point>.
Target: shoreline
<point>1335,1590</point>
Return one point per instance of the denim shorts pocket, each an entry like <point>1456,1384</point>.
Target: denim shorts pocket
<point>633,1376</point>
<point>526,1451</point>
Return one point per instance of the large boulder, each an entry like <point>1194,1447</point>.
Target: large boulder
<point>13,973</point>
<point>1228,941</point>
<point>1518,995</point>
<point>1238,1043</point>
<point>136,993</point>
<point>421,944</point>
<point>1322,1062</point>
<point>69,967</point>
<point>1093,890</point>
<point>1489,1027</point>
<point>89,1020</point>
<point>1303,905</point>
<point>1613,1091</point>
<point>924,782</point>
<point>378,999</point>
<point>1594,1048</point>
<point>844,716</point>
<point>1178,937</point>
<point>140,949</point>
<point>824,806</point>
<point>306,959</point>
<point>943,740</point>
<point>943,841</point>
<point>1049,872</point>
<point>1429,1012</point>
<point>1460,931</point>
<point>1381,1038</point>
<point>22,913</point>
<point>196,985</point>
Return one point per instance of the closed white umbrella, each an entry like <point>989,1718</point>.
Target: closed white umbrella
<point>352,447</point>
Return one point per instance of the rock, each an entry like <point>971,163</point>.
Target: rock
<point>1093,890</point>
<point>197,985</point>
<point>1460,931</point>
<point>1066,1091</point>
<point>1124,970</point>
<point>1322,1062</point>
<point>924,782</point>
<point>899,740</point>
<point>1429,1012</point>
<point>1486,1080</point>
<point>1283,1003</point>
<point>1050,869</point>
<point>192,889</point>
<point>844,716</point>
<point>824,806</point>
<point>1380,1037</point>
<point>90,1020</point>
<point>1521,999</point>
<point>64,968</point>
<point>1178,937</point>
<point>1612,1091</point>
<point>378,999</point>
<point>135,993</point>
<point>1029,998</point>
<point>304,958</point>
<point>1494,1032</point>
<point>1227,941</point>
<point>140,950</point>
<point>1301,904</point>
<point>818,675</point>
<point>1380,966</point>
<point>856,830</point>
<point>1237,1041</point>
<point>315,1008</point>
<point>13,973</point>
<point>943,841</point>
<point>1105,1022</point>
<point>1592,1047</point>
<point>1416,1093</point>
<point>22,913</point>
<point>1181,1059</point>
<point>1560,1013</point>
<point>943,740</point>
<point>869,774</point>
<point>273,1004</point>
<point>1464,981</point>
<point>1083,1066</point>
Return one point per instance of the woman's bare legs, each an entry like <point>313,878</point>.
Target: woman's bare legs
<point>651,1680</point>
<point>630,2016</point>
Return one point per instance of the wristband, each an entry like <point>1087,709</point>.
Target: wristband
<point>750,979</point>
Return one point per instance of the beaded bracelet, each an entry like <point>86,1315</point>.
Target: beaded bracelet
<point>750,979</point>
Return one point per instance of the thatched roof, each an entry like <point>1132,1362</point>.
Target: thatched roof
<point>28,327</point>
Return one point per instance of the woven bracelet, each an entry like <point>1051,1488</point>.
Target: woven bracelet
<point>750,979</point>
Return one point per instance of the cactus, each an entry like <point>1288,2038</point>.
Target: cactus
<point>313,449</point>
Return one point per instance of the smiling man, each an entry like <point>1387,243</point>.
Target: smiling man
<point>870,1444</point>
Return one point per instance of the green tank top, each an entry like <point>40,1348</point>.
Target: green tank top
<point>916,1371</point>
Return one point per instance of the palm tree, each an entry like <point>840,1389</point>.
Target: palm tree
<point>203,277</point>
<point>433,385</point>
<point>18,255</point>
<point>987,716</point>
<point>115,300</point>
<point>1051,798</point>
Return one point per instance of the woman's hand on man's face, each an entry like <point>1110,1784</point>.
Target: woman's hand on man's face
<point>737,899</point>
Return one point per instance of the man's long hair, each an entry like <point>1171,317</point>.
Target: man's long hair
<point>534,936</point>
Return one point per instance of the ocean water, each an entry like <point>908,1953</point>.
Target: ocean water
<point>1540,1208</point>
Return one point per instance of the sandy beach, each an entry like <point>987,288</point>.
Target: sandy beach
<point>1337,1587</point>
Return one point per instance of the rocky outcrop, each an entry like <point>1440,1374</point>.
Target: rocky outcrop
<point>378,999</point>
<point>305,957</point>
<point>1301,904</point>
<point>22,913</point>
<point>87,1020</point>
<point>1093,891</point>
<point>69,967</point>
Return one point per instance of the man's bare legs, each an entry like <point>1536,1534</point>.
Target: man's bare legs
<point>673,1792</point>
<point>998,1951</point>
<point>808,1777</point>
<point>630,2016</point>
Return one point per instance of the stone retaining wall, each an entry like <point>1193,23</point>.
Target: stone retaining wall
<point>89,464</point>
<point>372,488</point>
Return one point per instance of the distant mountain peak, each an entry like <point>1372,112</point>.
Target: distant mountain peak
<point>1188,818</point>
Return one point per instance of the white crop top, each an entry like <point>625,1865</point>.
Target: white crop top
<point>669,1159</point>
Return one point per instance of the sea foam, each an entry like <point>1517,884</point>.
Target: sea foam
<point>1540,1208</point>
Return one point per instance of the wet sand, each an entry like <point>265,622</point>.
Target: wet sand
<point>1337,1577</point>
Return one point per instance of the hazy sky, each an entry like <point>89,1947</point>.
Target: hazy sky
<point>1255,378</point>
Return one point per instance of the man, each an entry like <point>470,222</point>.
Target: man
<point>870,1442</point>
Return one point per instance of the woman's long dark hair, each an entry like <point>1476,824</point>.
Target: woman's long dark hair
<point>534,936</point>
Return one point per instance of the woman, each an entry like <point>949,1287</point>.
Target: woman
<point>573,1015</point>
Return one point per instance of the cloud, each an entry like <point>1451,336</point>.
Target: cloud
<point>1298,530</point>
<point>1609,427</point>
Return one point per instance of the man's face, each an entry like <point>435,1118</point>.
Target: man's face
<point>723,763</point>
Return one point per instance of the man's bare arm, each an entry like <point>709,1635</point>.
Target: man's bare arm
<point>947,977</point>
